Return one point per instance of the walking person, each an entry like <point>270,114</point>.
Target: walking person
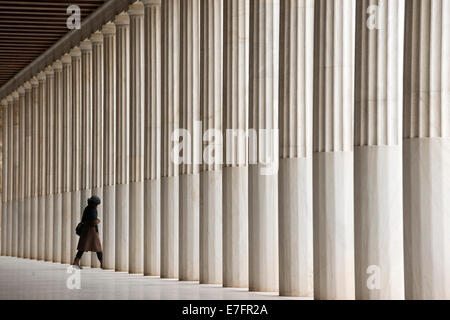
<point>88,232</point>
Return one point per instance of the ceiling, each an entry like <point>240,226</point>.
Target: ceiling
<point>29,28</point>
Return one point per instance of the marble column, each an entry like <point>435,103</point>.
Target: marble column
<point>235,122</point>
<point>21,174</point>
<point>10,160</point>
<point>27,170</point>
<point>334,263</point>
<point>211,99</point>
<point>58,102</point>
<point>109,145</point>
<point>137,122</point>
<point>66,150</point>
<point>122,22</point>
<point>86,131</point>
<point>72,108</point>
<point>378,151</point>
<point>426,151</point>
<point>15,174</point>
<point>295,175</point>
<point>152,138</point>
<point>263,118</point>
<point>97,130</point>
<point>4,175</point>
<point>48,191</point>
<point>42,156</point>
<point>189,201</point>
<point>34,168</point>
<point>170,113</point>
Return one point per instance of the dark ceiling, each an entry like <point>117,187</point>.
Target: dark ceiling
<point>29,28</point>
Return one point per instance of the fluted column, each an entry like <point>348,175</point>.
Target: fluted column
<point>42,151</point>
<point>49,135</point>
<point>334,270</point>
<point>74,179</point>
<point>34,168</point>
<point>170,105</point>
<point>152,138</point>
<point>426,151</point>
<point>211,99</point>
<point>263,175</point>
<point>97,129</point>
<point>235,122</point>
<point>109,145</point>
<point>21,173</point>
<point>27,170</point>
<point>4,176</point>
<point>86,130</point>
<point>122,22</point>
<point>10,160</point>
<point>58,103</point>
<point>137,122</point>
<point>295,175</point>
<point>189,115</point>
<point>378,151</point>
<point>67,125</point>
<point>15,174</point>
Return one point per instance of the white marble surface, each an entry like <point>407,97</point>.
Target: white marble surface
<point>28,279</point>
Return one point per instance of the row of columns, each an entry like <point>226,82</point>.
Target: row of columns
<point>339,206</point>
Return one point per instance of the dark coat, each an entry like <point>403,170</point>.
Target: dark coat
<point>89,239</point>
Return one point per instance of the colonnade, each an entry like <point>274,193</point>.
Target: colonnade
<point>300,104</point>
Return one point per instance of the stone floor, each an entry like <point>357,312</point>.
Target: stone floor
<point>29,279</point>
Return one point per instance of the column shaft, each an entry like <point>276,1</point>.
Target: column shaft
<point>189,240</point>
<point>137,122</point>
<point>109,155</point>
<point>122,140</point>
<point>34,168</point>
<point>378,155</point>
<point>235,122</point>
<point>49,114</point>
<point>27,169</point>
<point>42,150</point>
<point>15,175</point>
<point>170,112</point>
<point>295,120</point>
<point>152,143</point>
<point>211,87</point>
<point>334,270</point>
<point>426,151</point>
<point>21,174</point>
<point>4,175</point>
<point>97,130</point>
<point>57,151</point>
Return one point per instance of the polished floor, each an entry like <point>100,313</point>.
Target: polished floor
<point>37,280</point>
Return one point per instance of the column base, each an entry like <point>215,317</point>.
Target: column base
<point>41,225</point>
<point>109,218</point>
<point>122,227</point>
<point>152,234</point>
<point>169,227</point>
<point>66,229</point>
<point>136,259</point>
<point>49,227</point>
<point>57,221</point>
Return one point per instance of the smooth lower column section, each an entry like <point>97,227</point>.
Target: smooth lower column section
<point>137,123</point>
<point>152,143</point>
<point>295,175</point>
<point>170,111</point>
<point>57,111</point>
<point>34,169</point>
<point>109,146</point>
<point>21,174</point>
<point>211,99</point>
<point>235,174</point>
<point>42,149</point>
<point>263,176</point>
<point>27,170</point>
<point>334,263</point>
<point>426,150</point>
<point>378,153</point>
<point>97,130</point>
<point>122,22</point>
<point>48,191</point>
